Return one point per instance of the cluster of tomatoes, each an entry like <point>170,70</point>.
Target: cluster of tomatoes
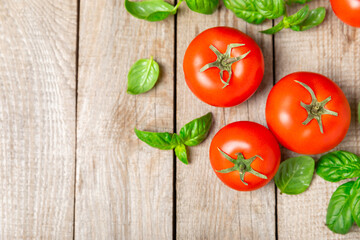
<point>305,112</point>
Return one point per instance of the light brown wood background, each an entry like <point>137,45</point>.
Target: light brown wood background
<point>71,166</point>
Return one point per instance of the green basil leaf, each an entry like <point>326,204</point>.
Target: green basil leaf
<point>196,131</point>
<point>142,76</point>
<point>270,9</point>
<point>150,10</point>
<point>246,10</point>
<point>163,141</point>
<point>297,18</point>
<point>315,18</point>
<point>355,202</point>
<point>180,152</point>
<point>203,6</point>
<point>295,174</point>
<point>338,165</point>
<point>275,29</point>
<point>338,217</point>
<point>290,2</point>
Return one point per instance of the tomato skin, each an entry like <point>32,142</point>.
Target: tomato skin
<point>250,139</point>
<point>285,115</point>
<point>347,11</point>
<point>246,73</point>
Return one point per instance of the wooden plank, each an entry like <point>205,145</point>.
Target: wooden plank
<point>332,50</point>
<point>37,118</point>
<point>206,208</point>
<point>124,188</point>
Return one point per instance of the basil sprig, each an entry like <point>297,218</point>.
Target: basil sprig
<point>256,11</point>
<point>191,134</point>
<point>151,10</point>
<point>338,165</point>
<point>295,174</point>
<point>142,76</point>
<point>203,6</point>
<point>303,20</point>
<point>157,10</point>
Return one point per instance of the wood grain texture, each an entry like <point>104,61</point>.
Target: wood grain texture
<point>206,208</point>
<point>124,188</point>
<point>332,49</point>
<point>37,118</point>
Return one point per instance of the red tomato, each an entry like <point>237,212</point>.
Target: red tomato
<point>256,144</point>
<point>229,50</point>
<point>294,127</point>
<point>347,11</point>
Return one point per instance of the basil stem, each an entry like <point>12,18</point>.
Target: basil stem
<point>191,134</point>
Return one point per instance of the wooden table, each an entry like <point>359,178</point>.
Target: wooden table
<point>71,165</point>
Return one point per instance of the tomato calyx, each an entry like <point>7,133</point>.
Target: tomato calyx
<point>315,109</point>
<point>242,165</point>
<point>224,62</point>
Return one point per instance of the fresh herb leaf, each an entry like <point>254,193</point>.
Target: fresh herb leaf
<point>270,9</point>
<point>290,21</point>
<point>180,152</point>
<point>355,202</point>
<point>163,141</point>
<point>246,10</point>
<point>191,134</point>
<point>151,10</point>
<point>297,18</point>
<point>315,18</point>
<point>196,131</point>
<point>203,6</point>
<point>338,165</point>
<point>295,174</point>
<point>290,2</point>
<point>277,28</point>
<point>339,218</point>
<point>142,76</point>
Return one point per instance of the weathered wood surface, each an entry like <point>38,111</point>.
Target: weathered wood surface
<point>124,188</point>
<point>332,49</point>
<point>37,118</point>
<point>205,207</point>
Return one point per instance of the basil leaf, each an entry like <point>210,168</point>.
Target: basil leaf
<point>196,131</point>
<point>245,9</point>
<point>355,202</point>
<point>289,2</point>
<point>150,10</point>
<point>338,165</point>
<point>338,217</point>
<point>142,76</point>
<point>275,29</point>
<point>297,18</point>
<point>270,9</point>
<point>180,152</point>
<point>163,141</point>
<point>203,6</point>
<point>295,174</point>
<point>315,18</point>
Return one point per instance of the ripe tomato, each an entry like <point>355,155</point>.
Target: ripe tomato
<point>347,11</point>
<point>244,155</point>
<point>308,113</point>
<point>223,66</point>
